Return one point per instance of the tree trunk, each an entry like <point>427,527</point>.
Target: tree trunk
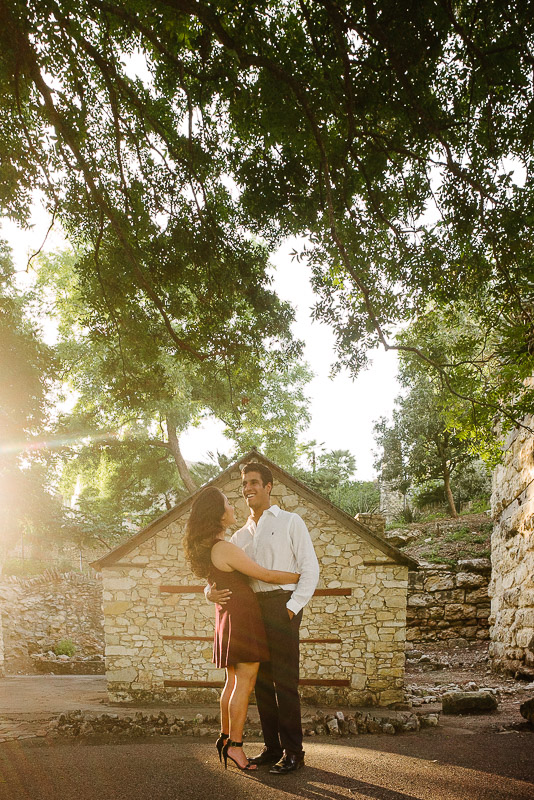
<point>448,492</point>
<point>174,447</point>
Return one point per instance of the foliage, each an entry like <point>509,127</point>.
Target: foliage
<point>434,443</point>
<point>453,336</point>
<point>430,452</point>
<point>65,647</point>
<point>135,397</point>
<point>27,369</point>
<point>470,485</point>
<point>25,362</point>
<point>330,474</point>
<point>397,137</point>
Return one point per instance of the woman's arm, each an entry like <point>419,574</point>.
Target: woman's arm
<point>225,554</point>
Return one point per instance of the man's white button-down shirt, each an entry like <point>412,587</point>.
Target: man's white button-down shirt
<point>281,540</point>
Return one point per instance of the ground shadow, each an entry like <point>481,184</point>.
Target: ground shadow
<point>320,784</point>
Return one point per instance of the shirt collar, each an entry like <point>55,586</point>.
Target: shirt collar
<point>273,509</point>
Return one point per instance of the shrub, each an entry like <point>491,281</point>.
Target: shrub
<point>65,647</point>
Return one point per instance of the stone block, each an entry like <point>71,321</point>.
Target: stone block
<point>420,600</point>
<point>113,583</point>
<point>477,596</point>
<point>470,580</point>
<point>481,565</point>
<point>126,675</point>
<point>469,702</point>
<point>434,583</point>
<point>457,611</point>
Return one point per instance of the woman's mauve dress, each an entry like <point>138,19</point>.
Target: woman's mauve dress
<point>239,632</point>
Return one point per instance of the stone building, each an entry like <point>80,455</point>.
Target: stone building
<point>159,627</point>
<point>512,554</point>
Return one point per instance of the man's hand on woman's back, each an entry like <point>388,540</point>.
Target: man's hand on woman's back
<point>214,595</point>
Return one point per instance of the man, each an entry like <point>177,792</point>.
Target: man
<point>277,539</point>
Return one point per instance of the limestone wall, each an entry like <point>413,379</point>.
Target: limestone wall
<point>512,545</point>
<point>449,603</point>
<point>2,663</point>
<point>356,636</point>
<point>39,612</point>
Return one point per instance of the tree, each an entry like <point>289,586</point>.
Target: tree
<point>396,137</point>
<point>429,450</point>
<point>330,473</point>
<point>135,397</point>
<point>26,366</point>
<point>433,436</point>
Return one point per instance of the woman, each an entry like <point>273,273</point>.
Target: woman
<point>240,642</point>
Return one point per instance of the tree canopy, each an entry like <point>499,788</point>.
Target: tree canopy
<point>434,437</point>
<point>27,367</point>
<point>396,136</point>
<point>331,474</point>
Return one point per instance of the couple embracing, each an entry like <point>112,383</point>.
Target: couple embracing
<point>260,581</point>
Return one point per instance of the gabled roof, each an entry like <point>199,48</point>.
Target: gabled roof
<point>300,488</point>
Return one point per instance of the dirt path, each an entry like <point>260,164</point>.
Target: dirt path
<point>466,667</point>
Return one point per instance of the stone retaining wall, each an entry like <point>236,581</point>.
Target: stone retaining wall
<point>449,603</point>
<point>512,545</point>
<point>39,612</point>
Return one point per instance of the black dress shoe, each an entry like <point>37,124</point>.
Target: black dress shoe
<point>288,763</point>
<point>267,756</point>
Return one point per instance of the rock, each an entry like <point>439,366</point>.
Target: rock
<point>527,710</point>
<point>428,720</point>
<point>86,729</point>
<point>333,726</point>
<point>396,538</point>
<point>374,726</point>
<point>388,728</point>
<point>410,723</point>
<point>482,565</point>
<point>468,702</point>
<point>340,716</point>
<point>320,730</point>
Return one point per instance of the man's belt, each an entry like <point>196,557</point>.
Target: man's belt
<point>273,593</point>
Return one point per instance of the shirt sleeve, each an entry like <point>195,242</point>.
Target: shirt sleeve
<point>307,564</point>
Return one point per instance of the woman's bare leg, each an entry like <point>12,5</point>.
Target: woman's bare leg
<point>245,678</point>
<point>225,699</point>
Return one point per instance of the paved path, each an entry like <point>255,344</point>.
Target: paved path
<point>410,767</point>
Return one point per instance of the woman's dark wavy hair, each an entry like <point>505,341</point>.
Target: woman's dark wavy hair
<point>203,528</point>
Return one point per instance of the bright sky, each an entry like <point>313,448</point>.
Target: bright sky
<point>342,411</point>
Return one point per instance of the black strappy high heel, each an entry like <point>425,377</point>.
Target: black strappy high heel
<point>219,744</point>
<point>248,768</point>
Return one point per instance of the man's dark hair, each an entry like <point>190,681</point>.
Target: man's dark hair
<point>265,472</point>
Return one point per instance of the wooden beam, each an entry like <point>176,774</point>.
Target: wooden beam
<point>194,684</point>
<point>210,639</point>
<point>317,682</point>
<point>183,589</point>
<point>219,684</point>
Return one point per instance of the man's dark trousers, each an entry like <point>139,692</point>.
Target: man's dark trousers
<point>277,693</point>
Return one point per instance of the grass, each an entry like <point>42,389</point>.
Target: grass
<point>461,535</point>
<point>433,558</point>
